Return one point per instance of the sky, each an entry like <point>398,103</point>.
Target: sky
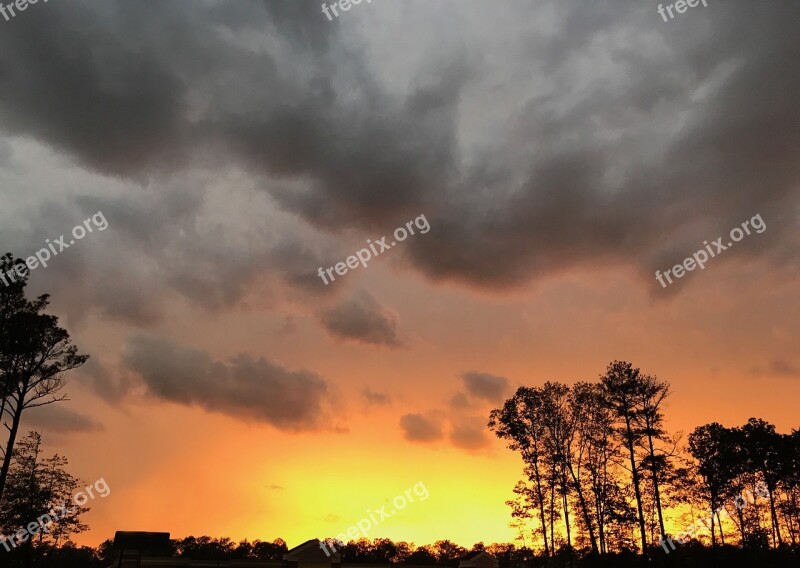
<point>559,153</point>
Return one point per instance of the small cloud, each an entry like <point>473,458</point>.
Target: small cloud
<point>460,401</point>
<point>469,434</point>
<point>777,367</point>
<point>364,320</point>
<point>274,487</point>
<point>331,518</point>
<point>377,398</point>
<point>417,428</point>
<point>59,419</point>
<point>488,387</point>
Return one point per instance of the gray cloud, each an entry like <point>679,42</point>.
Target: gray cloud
<point>488,387</point>
<point>469,433</point>
<point>362,319</point>
<point>777,368</point>
<point>248,389</point>
<point>460,401</point>
<point>160,244</point>
<point>376,398</point>
<point>418,428</point>
<point>111,387</point>
<point>624,153</point>
<point>59,419</point>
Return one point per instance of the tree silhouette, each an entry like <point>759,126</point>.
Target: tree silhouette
<point>762,446</point>
<point>714,448</point>
<point>35,492</point>
<point>34,354</point>
<point>520,423</point>
<point>622,384</point>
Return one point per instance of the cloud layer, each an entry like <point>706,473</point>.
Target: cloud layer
<point>625,149</point>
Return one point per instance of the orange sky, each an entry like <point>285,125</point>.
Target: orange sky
<point>189,471</point>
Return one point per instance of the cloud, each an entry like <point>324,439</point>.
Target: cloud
<point>111,387</point>
<point>59,419</point>
<point>252,390</point>
<point>778,368</point>
<point>460,401</point>
<point>469,433</point>
<point>376,398</point>
<point>491,388</point>
<point>418,428</point>
<point>363,320</point>
<point>559,173</point>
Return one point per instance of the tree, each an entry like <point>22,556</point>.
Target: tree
<point>520,423</point>
<point>422,556</point>
<point>622,385</point>
<point>713,446</point>
<point>270,550</point>
<point>596,430</point>
<point>521,507</point>
<point>448,552</point>
<point>205,548</point>
<point>650,420</point>
<point>12,301</point>
<point>36,490</point>
<point>762,444</point>
<point>34,354</point>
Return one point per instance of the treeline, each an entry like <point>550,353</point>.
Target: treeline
<point>443,553</point>
<point>197,548</point>
<point>362,551</point>
<point>603,475</point>
<point>729,461</point>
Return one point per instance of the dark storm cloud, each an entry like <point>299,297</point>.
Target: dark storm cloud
<point>243,388</point>
<point>128,89</point>
<point>155,248</point>
<point>584,201</point>
<point>491,388</point>
<point>72,79</point>
<point>363,319</point>
<point>418,428</point>
<point>646,139</point>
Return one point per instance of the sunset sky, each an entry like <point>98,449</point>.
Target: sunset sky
<point>561,151</point>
